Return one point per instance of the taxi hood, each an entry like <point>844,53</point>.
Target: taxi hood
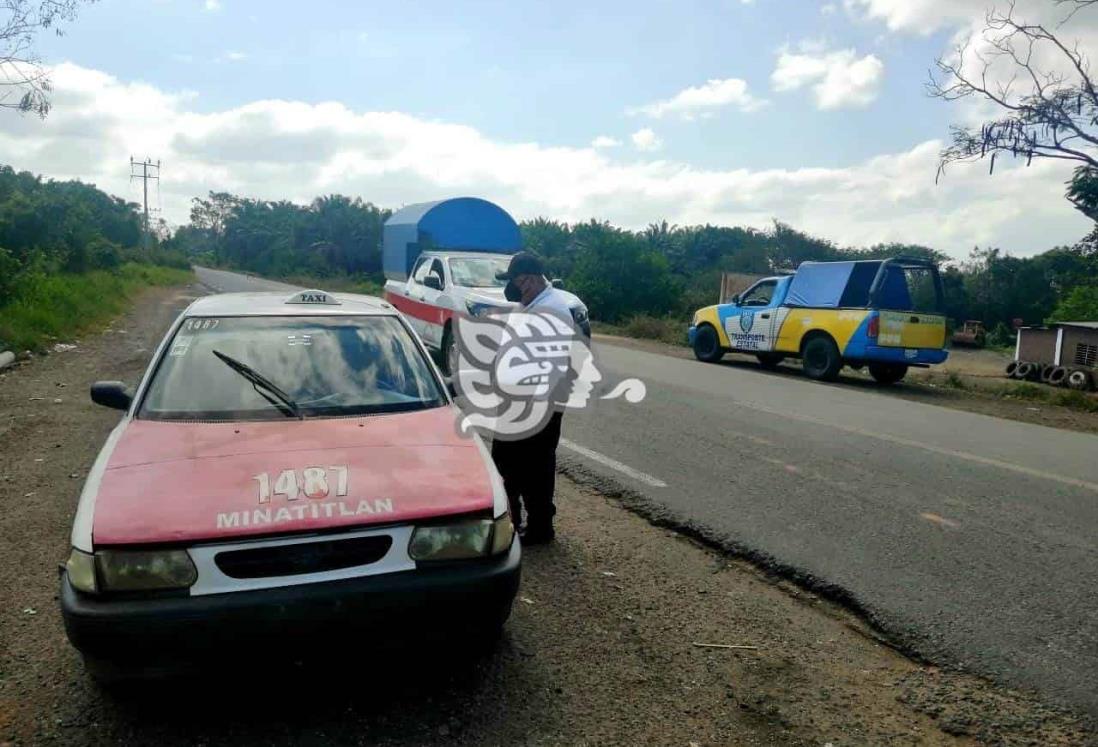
<point>182,482</point>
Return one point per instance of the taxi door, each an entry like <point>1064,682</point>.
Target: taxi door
<point>751,324</point>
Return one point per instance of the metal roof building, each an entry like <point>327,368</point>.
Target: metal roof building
<point>1061,343</point>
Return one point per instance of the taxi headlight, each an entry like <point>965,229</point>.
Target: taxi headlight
<point>81,570</point>
<point>145,570</point>
<point>503,533</point>
<point>467,539</point>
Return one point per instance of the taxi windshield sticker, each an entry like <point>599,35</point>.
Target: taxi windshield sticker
<point>194,326</point>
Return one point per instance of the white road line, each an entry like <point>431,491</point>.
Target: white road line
<point>613,464</point>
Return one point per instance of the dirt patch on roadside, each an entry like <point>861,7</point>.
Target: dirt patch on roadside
<point>600,648</point>
<point>980,372</point>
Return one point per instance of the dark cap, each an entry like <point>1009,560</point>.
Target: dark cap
<point>523,263</point>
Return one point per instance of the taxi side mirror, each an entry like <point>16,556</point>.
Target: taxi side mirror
<point>557,283</point>
<point>433,281</point>
<point>735,300</point>
<point>113,394</point>
<point>449,381</point>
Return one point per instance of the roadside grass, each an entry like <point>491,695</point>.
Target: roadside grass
<point>47,308</point>
<point>1022,390</point>
<point>664,329</point>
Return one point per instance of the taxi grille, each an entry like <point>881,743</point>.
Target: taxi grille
<point>306,557</point>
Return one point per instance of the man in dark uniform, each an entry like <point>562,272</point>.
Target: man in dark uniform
<point>528,466</point>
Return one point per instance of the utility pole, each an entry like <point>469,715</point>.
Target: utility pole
<point>144,176</point>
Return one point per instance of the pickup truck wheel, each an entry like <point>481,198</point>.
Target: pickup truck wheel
<point>707,346</point>
<point>887,373</point>
<point>449,353</point>
<point>770,361</point>
<point>821,359</point>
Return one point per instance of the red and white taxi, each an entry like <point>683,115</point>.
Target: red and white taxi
<point>286,464</point>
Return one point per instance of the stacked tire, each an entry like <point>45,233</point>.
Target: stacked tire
<point>1079,379</point>
<point>1024,370</point>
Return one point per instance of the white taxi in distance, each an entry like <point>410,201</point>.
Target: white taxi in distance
<point>286,464</point>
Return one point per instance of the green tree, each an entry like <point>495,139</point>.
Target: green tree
<point>1079,305</point>
<point>619,275</point>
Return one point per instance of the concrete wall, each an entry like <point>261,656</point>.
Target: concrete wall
<point>1074,337</point>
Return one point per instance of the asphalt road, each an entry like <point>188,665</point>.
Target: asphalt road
<point>972,540</point>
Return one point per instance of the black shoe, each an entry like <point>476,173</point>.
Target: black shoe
<point>537,536</point>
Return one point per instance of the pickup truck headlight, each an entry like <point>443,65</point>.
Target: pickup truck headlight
<point>144,570</point>
<point>461,540</point>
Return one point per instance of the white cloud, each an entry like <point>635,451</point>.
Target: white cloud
<point>646,139</point>
<point>702,100</point>
<point>275,149</point>
<point>839,79</point>
<point>919,16</point>
<point>605,141</point>
<point>213,5</point>
<point>234,56</point>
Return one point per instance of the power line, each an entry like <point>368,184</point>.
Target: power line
<point>146,166</point>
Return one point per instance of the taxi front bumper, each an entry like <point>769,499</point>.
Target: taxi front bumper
<point>430,602</point>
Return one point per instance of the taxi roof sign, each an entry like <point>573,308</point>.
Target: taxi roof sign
<point>314,297</point>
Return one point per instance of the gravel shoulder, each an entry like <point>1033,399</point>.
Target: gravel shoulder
<point>600,648</point>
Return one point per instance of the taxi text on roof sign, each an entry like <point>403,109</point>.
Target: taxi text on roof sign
<point>313,297</point>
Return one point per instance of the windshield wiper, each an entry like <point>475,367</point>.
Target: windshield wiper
<point>285,402</point>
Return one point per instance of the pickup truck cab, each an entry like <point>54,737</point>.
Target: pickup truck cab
<point>883,314</point>
<point>443,284</point>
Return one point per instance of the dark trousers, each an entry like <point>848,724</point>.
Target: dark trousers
<point>529,471</point>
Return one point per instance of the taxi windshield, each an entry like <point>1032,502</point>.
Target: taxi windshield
<point>322,366</point>
<point>479,272</point>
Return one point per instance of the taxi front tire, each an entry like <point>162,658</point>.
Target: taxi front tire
<point>707,345</point>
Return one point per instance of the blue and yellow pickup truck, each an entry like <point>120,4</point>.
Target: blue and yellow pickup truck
<point>883,314</point>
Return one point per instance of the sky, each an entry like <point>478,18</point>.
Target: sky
<point>735,112</point>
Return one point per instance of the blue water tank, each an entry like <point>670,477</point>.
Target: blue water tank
<point>460,223</point>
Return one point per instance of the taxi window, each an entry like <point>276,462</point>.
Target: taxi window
<point>326,366</point>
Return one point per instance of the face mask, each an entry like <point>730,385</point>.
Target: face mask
<point>512,292</point>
